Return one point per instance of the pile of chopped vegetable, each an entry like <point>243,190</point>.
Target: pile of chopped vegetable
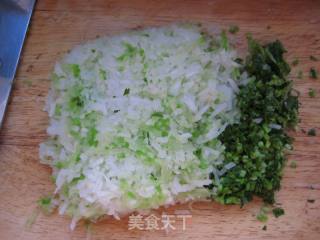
<point>166,115</point>
<point>257,143</point>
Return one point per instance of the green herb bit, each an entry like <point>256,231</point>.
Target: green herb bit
<point>32,218</point>
<point>295,62</point>
<point>59,165</point>
<point>277,212</point>
<point>45,201</point>
<point>312,132</point>
<point>224,42</point>
<point>265,209</point>
<point>45,204</point>
<point>201,40</point>
<point>145,34</point>
<point>300,74</point>
<point>103,74</point>
<point>75,68</point>
<point>121,68</point>
<point>312,93</point>
<point>28,83</point>
<point>91,137</point>
<point>262,217</point>
<point>313,58</point>
<point>126,91</point>
<point>53,178</point>
<point>234,29</point>
<point>313,73</point>
<point>293,164</point>
<point>77,179</point>
<point>58,110</point>
<point>129,52</point>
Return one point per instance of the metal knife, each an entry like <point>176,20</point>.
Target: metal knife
<point>14,20</point>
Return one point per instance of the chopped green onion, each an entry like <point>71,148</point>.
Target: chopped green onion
<point>126,91</point>
<point>313,73</point>
<point>277,212</point>
<point>262,217</point>
<point>295,62</point>
<point>312,132</point>
<point>313,58</point>
<point>233,29</point>
<point>312,93</point>
<point>293,164</point>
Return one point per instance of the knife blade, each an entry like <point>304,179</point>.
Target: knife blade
<point>14,20</point>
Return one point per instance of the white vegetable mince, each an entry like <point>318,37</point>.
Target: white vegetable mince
<point>134,120</point>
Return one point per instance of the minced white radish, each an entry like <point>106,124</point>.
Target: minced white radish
<point>134,120</point>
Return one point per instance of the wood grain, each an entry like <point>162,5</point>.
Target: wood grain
<point>58,25</point>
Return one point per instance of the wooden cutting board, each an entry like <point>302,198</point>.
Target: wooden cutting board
<point>58,25</point>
